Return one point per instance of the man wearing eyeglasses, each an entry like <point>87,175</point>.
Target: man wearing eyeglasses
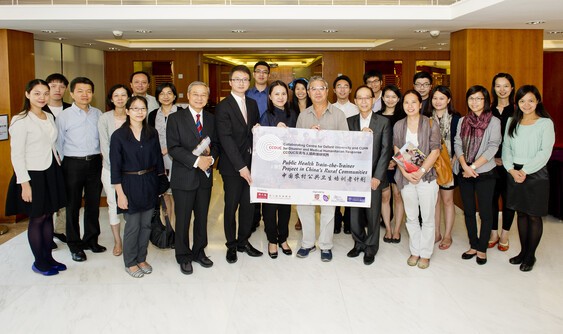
<point>320,116</point>
<point>236,115</point>
<point>78,144</point>
<point>422,83</point>
<point>374,80</point>
<point>259,93</point>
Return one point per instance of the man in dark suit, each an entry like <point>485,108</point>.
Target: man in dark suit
<point>236,116</point>
<point>57,88</point>
<point>380,126</point>
<point>191,176</point>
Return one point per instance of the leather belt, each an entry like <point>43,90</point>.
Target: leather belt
<point>141,172</point>
<point>87,158</point>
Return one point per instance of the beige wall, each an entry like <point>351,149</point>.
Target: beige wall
<point>76,62</point>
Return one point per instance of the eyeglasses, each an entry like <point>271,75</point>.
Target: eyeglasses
<point>475,99</point>
<point>237,80</point>
<point>419,85</point>
<point>375,81</point>
<point>261,72</point>
<point>138,109</point>
<point>320,88</point>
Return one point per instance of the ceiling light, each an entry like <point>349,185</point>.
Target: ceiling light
<point>146,49</point>
<point>423,48</point>
<point>535,22</point>
<point>143,31</point>
<point>330,31</point>
<point>60,38</point>
<point>555,32</point>
<point>49,31</point>
<point>421,31</point>
<point>89,44</point>
<point>112,49</point>
<point>238,31</point>
<point>442,44</point>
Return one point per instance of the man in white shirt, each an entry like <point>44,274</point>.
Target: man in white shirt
<point>374,80</point>
<point>140,82</point>
<point>57,88</point>
<point>342,87</point>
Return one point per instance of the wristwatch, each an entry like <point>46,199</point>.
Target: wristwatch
<point>473,167</point>
<point>423,170</point>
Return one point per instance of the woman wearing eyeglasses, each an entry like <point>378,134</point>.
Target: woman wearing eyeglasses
<point>476,143</point>
<point>527,147</point>
<point>136,167</point>
<point>166,96</point>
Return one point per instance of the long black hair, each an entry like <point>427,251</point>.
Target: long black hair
<point>494,93</point>
<point>147,131</point>
<point>399,112</point>
<point>295,100</point>
<point>28,88</point>
<point>478,89</point>
<point>444,90</point>
<point>271,106</point>
<point>518,114</point>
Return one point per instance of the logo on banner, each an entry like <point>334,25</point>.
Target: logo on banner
<point>269,147</point>
<point>326,198</point>
<point>260,195</point>
<point>317,197</point>
<point>356,199</point>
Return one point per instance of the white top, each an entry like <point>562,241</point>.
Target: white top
<point>364,122</point>
<point>412,137</point>
<point>32,144</point>
<point>349,108</point>
<point>56,110</point>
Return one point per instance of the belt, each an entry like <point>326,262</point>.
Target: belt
<point>87,158</point>
<point>141,172</point>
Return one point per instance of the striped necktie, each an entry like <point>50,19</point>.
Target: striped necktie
<point>198,124</point>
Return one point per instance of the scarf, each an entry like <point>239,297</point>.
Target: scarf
<point>472,130</point>
<point>445,129</point>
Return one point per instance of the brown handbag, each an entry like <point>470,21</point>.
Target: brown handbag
<point>443,164</point>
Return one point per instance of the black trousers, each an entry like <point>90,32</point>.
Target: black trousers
<point>237,196</point>
<point>82,176</point>
<point>186,202</point>
<point>500,191</point>
<point>276,220</point>
<point>360,218</point>
<point>483,186</point>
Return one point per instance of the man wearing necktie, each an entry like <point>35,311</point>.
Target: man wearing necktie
<point>236,116</point>
<point>191,182</point>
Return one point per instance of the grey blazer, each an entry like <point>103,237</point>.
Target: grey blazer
<point>106,126</point>
<point>489,145</point>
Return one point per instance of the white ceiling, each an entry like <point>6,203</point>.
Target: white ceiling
<point>210,27</point>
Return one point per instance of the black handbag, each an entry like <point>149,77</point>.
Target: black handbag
<point>162,235</point>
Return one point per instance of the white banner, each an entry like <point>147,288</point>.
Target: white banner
<point>311,167</point>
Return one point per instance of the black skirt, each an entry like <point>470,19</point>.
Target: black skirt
<point>530,196</point>
<point>48,193</point>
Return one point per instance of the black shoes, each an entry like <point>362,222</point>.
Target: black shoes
<point>481,261</point>
<point>396,241</point>
<point>286,251</point>
<point>337,228</point>
<point>60,236</point>
<point>232,255</point>
<point>79,256</point>
<point>467,256</point>
<point>186,268</point>
<point>354,252</point>
<point>528,265</point>
<point>96,248</point>
<point>248,249</point>
<point>204,261</point>
<point>347,229</point>
<point>368,258</point>
<point>387,240</point>
<point>517,259</point>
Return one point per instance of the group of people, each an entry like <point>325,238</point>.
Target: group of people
<point>147,150</point>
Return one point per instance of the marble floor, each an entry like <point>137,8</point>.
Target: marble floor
<point>288,294</point>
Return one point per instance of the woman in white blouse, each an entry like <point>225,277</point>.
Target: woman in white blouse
<point>37,186</point>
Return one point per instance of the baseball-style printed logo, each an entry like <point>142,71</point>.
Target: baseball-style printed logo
<point>262,195</point>
<point>269,147</point>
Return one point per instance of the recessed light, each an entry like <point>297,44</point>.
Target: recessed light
<point>112,49</point>
<point>535,22</point>
<point>238,31</point>
<point>442,44</point>
<point>146,49</point>
<point>423,48</point>
<point>89,44</point>
<point>49,31</point>
<point>555,32</point>
<point>421,31</point>
<point>330,31</point>
<point>143,31</point>
<point>60,38</point>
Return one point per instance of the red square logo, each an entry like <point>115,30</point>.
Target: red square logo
<point>262,195</point>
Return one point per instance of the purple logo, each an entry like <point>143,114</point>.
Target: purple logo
<point>356,199</point>
<point>326,198</point>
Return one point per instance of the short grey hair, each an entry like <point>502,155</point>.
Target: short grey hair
<point>198,83</point>
<point>316,78</point>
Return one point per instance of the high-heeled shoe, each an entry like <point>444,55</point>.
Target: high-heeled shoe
<point>272,255</point>
<point>286,251</point>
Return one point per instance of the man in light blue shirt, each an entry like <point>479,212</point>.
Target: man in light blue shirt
<point>79,146</point>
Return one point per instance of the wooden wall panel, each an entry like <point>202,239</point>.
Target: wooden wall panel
<point>17,68</point>
<point>552,92</point>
